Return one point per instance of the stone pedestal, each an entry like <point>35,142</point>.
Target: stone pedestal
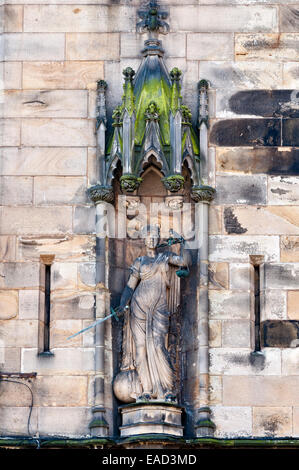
<point>151,417</point>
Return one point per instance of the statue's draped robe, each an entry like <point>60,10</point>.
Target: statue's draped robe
<point>147,324</point>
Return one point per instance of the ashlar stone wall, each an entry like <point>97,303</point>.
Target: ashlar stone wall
<point>53,52</point>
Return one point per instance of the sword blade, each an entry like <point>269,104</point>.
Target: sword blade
<point>101,320</point>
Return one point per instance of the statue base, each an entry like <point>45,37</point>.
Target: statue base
<point>151,417</point>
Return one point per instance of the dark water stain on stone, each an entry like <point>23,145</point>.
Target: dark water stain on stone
<point>232,225</point>
<point>279,333</point>
<point>266,103</point>
<point>279,191</point>
<point>246,132</point>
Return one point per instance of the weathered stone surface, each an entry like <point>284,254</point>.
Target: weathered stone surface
<point>230,75</point>
<point>246,132</point>
<point>64,132</point>
<point>13,18</point>
<point>64,248</point>
<point>246,391</point>
<point>239,362</point>
<point>59,190</point>
<point>262,220</point>
<point>218,276</point>
<point>10,132</point>
<point>8,304</point>
<point>60,331</point>
<point>86,274</point>
<point>279,333</point>
<point>273,161</point>
<point>64,421</point>
<point>295,421</point>
<point>19,333</point>
<point>31,220</point>
<point>272,47</point>
<point>290,128</point>
<point>225,304</point>
<point>290,75</point>
<point>131,45</point>
<point>215,333</point>
<point>282,276</point>
<point>62,75</point>
<point>61,391</point>
<point>10,358</point>
<point>14,419</point>
<point>29,46</point>
<point>293,305</point>
<point>230,419</point>
<point>231,189</point>
<point>272,422</point>
<point>7,248</point>
<point>233,18</point>
<point>215,222</point>
<point>19,275</point>
<point>289,249</point>
<point>72,305</point>
<point>16,190</point>
<point>236,334</point>
<point>290,362</point>
<point>240,275</point>
<point>54,103</point>
<point>92,165</point>
<point>84,219</point>
<point>283,190</point>
<point>12,75</point>
<point>64,276</point>
<point>205,46</point>
<point>44,161</point>
<point>215,389</point>
<point>239,247</point>
<point>66,361</point>
<point>92,46</point>
<point>289,18</point>
<point>274,306</point>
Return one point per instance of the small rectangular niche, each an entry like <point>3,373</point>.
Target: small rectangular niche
<point>46,262</point>
<point>257,262</point>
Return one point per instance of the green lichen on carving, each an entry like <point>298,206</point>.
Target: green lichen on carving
<point>175,75</point>
<point>128,96</point>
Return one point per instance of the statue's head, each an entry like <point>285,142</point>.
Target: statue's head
<point>151,235</point>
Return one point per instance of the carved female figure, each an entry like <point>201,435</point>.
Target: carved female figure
<point>146,371</point>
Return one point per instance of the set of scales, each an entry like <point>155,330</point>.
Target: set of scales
<point>116,312</point>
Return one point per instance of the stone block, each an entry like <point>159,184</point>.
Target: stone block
<point>53,103</point>
<point>293,305</point>
<point>272,422</point>
<point>283,190</point>
<point>84,219</point>
<point>92,165</point>
<point>253,75</point>
<point>33,46</point>
<point>282,276</point>
<point>29,301</point>
<point>12,75</point>
<point>241,189</point>
<point>218,276</point>
<point>86,275</point>
<point>44,161</point>
<point>270,220</point>
<point>289,249</point>
<point>10,132</point>
<point>62,75</point>
<point>290,129</point>
<point>64,421</point>
<point>14,420</point>
<point>232,421</point>
<point>19,333</point>
<point>60,331</point>
<point>215,223</point>
<point>215,328</point>
<point>280,333</point>
<point>240,362</point>
<point>225,304</point>
<point>236,334</point>
<point>273,161</point>
<point>13,18</point>
<point>64,276</point>
<point>85,19</point>
<point>31,220</point>
<point>59,190</point>
<point>246,391</point>
<point>245,132</point>
<point>289,21</point>
<point>7,248</point>
<point>290,75</point>
<point>16,190</point>
<point>215,389</point>
<point>290,361</point>
<point>92,46</point>
<point>131,45</point>
<point>240,275</point>
<point>61,391</point>
<point>64,248</point>
<point>237,248</point>
<point>64,132</point>
<point>266,47</point>
<point>72,305</point>
<point>275,305</point>
<point>8,304</point>
<point>19,275</point>
<point>66,361</point>
<point>228,18</point>
<point>10,358</point>
<point>205,46</point>
<point>14,394</point>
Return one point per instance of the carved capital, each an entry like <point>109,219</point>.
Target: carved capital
<point>174,202</point>
<point>202,193</point>
<point>130,182</point>
<point>99,193</point>
<point>173,183</point>
<point>131,202</point>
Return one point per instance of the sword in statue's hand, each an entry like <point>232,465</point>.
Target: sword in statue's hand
<point>114,313</point>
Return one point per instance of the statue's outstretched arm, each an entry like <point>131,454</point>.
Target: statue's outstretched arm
<point>180,260</point>
<point>128,291</point>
